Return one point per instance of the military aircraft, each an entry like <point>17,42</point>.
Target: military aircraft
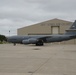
<point>39,40</point>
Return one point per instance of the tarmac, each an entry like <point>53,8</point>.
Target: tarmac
<point>50,59</point>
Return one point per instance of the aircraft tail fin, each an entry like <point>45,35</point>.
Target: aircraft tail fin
<point>73,25</point>
<point>72,30</point>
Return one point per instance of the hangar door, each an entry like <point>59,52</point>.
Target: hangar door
<point>55,29</point>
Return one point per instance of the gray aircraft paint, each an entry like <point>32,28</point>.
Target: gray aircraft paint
<point>40,39</point>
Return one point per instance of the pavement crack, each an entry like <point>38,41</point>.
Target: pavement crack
<point>41,66</point>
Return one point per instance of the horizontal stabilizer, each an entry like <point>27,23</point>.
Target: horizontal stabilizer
<point>70,30</point>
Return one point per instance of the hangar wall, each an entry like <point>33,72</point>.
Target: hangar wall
<point>54,26</point>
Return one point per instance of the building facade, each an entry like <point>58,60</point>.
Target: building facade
<point>54,26</point>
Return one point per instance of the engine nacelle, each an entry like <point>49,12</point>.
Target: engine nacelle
<point>29,41</point>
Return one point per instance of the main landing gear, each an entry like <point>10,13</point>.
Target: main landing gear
<point>40,43</point>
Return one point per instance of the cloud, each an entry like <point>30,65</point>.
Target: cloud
<point>19,13</point>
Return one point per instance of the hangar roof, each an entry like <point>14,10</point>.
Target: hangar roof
<point>48,21</point>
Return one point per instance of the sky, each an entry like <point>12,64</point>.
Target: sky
<point>16,14</point>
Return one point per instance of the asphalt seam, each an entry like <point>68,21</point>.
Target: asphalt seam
<point>41,66</point>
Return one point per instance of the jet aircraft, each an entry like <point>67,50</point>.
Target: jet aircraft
<point>39,40</point>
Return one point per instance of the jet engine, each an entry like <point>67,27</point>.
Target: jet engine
<point>29,41</point>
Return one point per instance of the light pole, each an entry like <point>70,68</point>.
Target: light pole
<point>9,32</point>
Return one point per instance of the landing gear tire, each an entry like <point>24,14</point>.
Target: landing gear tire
<point>39,43</point>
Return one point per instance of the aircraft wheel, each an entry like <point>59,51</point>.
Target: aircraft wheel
<point>40,43</point>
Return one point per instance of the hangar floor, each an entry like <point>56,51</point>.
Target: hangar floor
<point>34,60</point>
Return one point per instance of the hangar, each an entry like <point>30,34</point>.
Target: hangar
<point>54,26</point>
